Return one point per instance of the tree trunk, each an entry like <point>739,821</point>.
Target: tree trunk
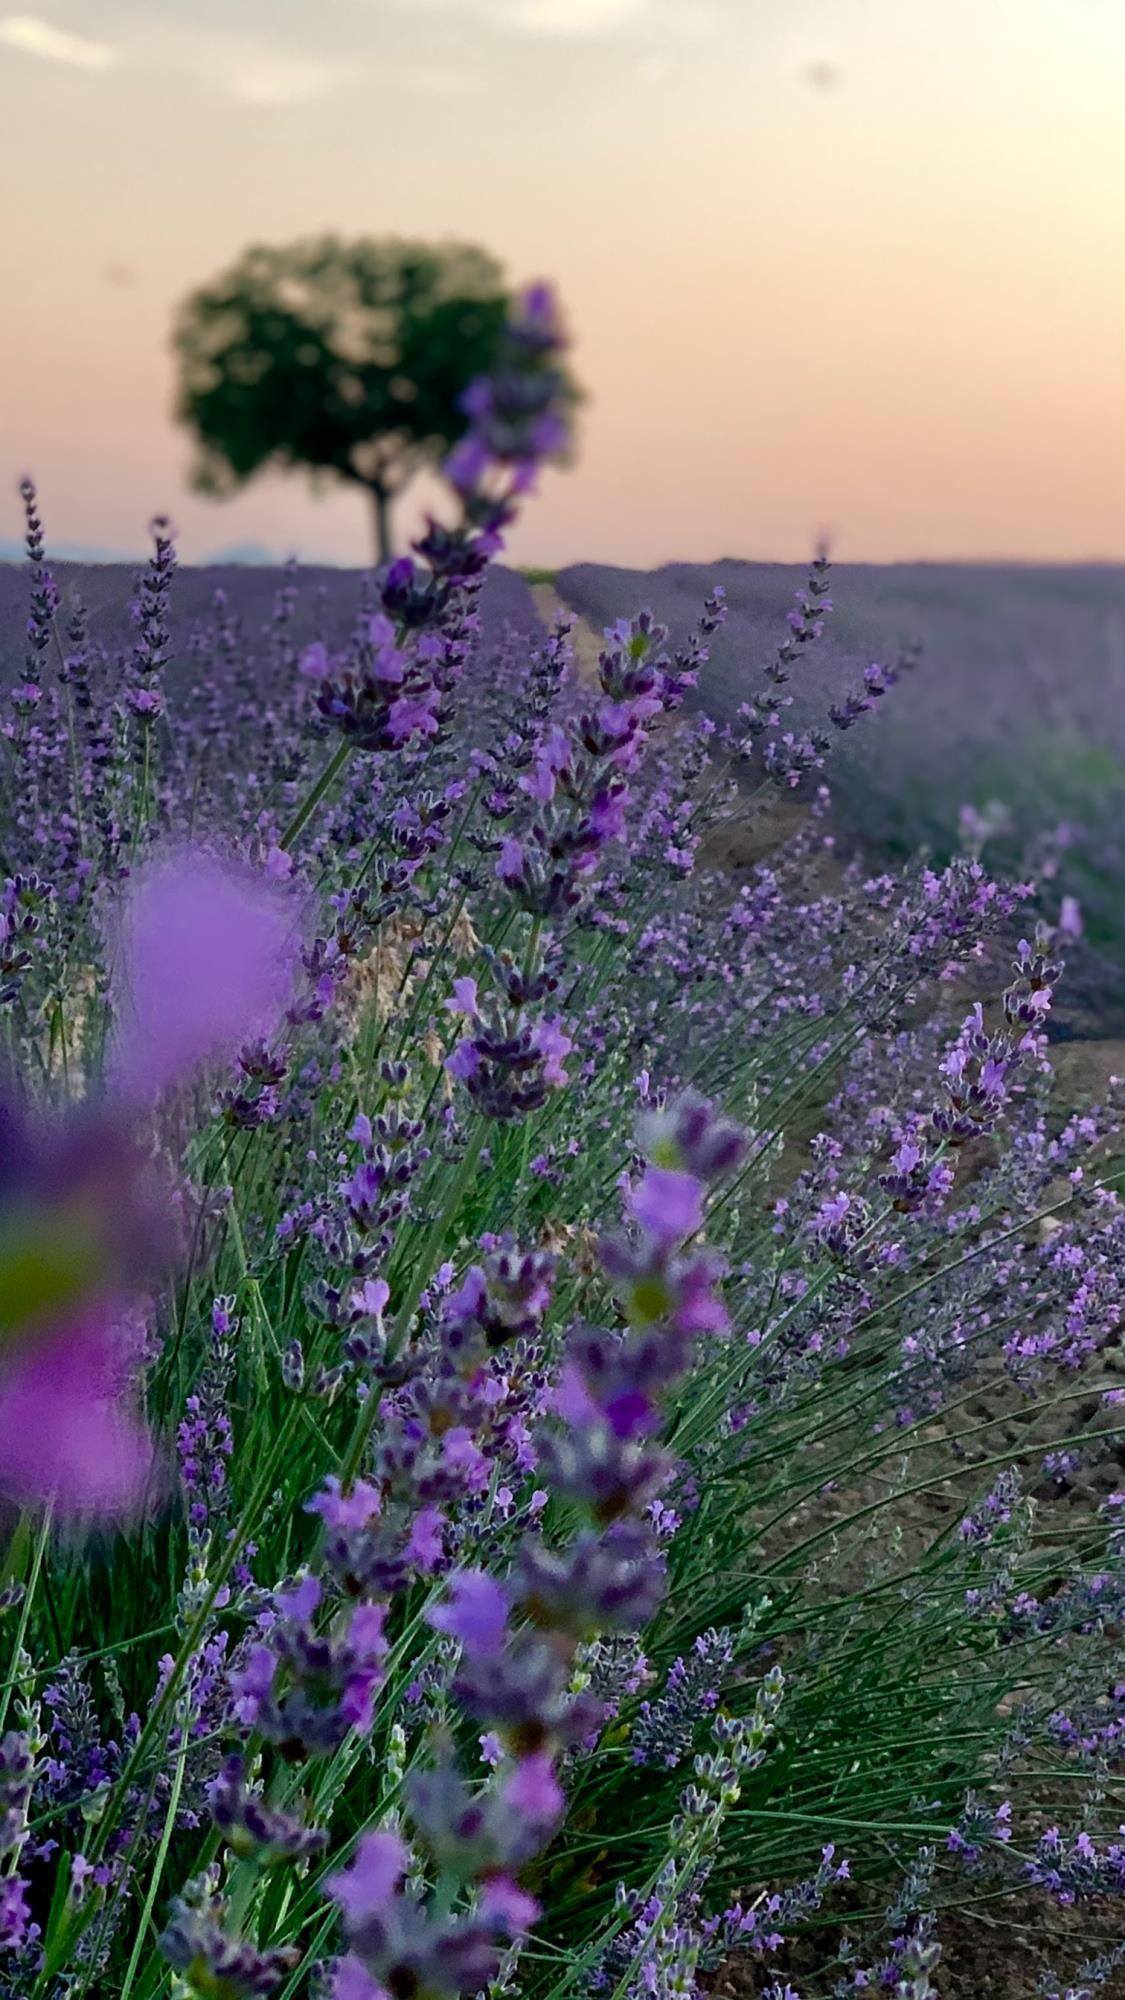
<point>381,501</point>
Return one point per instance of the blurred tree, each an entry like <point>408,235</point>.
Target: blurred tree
<point>341,358</point>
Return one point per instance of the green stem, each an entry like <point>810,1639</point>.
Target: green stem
<point>25,1615</point>
<point>158,1865</point>
<point>313,797</point>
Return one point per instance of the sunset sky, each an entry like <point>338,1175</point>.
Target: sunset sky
<point>844,266</point>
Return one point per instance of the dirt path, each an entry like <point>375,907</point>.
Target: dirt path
<point>587,643</point>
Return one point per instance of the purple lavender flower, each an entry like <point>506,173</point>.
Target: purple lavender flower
<point>668,1205</point>
<point>477,1614</point>
<point>205,960</point>
<point>69,1432</point>
<point>252,1827</point>
<point>307,1690</point>
<point>664,1731</point>
<point>395,1942</point>
<point>195,1941</point>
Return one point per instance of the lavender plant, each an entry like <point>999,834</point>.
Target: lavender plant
<point>540,1379</point>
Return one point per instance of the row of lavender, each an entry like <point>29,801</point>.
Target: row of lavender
<point>486,1303</point>
<point>1013,731</point>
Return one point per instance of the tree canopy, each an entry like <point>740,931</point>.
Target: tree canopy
<point>339,358</point>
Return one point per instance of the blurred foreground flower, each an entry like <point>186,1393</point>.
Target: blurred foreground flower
<point>83,1215</point>
<point>205,959</point>
<point>207,953</point>
<point>68,1429</point>
<point>85,1224</point>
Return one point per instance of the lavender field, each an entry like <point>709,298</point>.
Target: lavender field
<point>560,1400</point>
<point>325,607</point>
<point>1017,701</point>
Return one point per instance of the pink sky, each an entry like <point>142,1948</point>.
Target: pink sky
<point>843,265</point>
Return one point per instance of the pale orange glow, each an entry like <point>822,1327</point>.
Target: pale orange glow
<point>852,266</point>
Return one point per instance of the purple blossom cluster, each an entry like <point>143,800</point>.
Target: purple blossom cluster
<point>518,1636</point>
<point>664,1730</point>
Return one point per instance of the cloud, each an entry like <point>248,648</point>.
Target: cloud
<point>39,38</point>
<point>555,18</point>
<point>570,17</point>
<point>251,69</point>
<point>246,68</point>
<point>273,80</point>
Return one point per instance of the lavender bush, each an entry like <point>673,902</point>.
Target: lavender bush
<point>540,1382</point>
